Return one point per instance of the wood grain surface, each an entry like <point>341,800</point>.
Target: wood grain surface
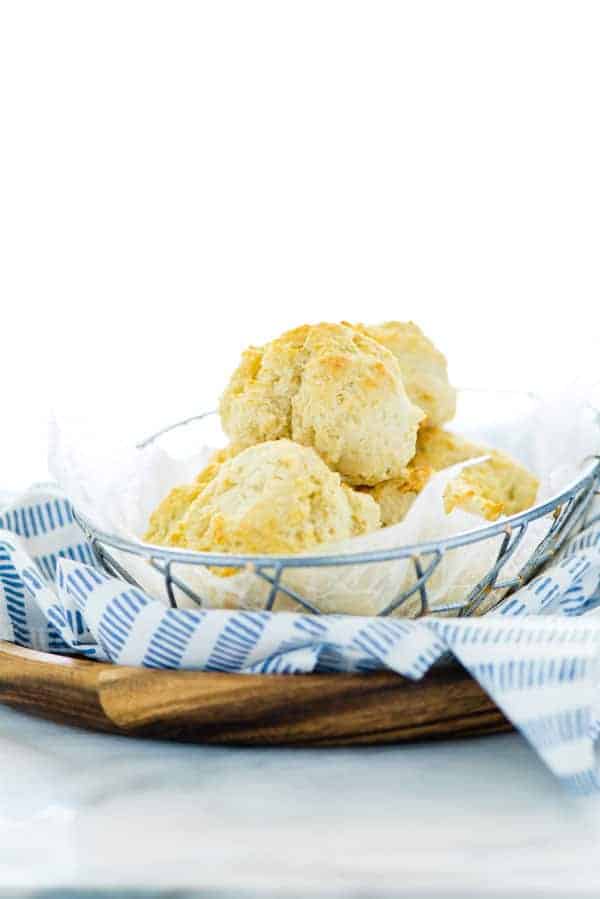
<point>307,710</point>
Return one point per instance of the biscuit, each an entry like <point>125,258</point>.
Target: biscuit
<point>396,496</point>
<point>491,488</point>
<point>439,449</point>
<point>498,486</point>
<point>329,387</point>
<point>423,366</point>
<point>276,497</point>
<point>165,519</point>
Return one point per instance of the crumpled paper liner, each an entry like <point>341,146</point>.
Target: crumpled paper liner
<point>118,487</point>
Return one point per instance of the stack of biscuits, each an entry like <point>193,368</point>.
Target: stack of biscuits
<point>334,430</point>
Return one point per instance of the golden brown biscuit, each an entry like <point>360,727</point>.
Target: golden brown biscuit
<point>424,368</point>
<point>498,486</point>
<point>396,496</point>
<point>214,463</point>
<point>329,387</point>
<point>277,497</point>
<point>439,449</point>
<point>165,519</point>
<point>491,488</point>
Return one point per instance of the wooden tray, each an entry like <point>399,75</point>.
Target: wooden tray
<point>306,710</point>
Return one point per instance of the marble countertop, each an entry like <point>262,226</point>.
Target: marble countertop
<point>454,819</point>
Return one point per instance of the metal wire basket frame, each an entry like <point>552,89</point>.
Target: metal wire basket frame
<point>567,512</point>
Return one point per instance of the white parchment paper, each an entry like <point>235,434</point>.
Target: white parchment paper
<point>118,486</point>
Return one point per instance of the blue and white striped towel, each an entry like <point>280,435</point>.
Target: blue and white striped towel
<point>537,656</point>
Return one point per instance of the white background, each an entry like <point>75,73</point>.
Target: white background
<point>178,180</point>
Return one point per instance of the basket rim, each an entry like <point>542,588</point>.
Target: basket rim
<point>581,484</point>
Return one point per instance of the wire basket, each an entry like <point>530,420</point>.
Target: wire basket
<point>565,513</point>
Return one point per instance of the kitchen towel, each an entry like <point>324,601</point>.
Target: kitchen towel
<point>537,655</point>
